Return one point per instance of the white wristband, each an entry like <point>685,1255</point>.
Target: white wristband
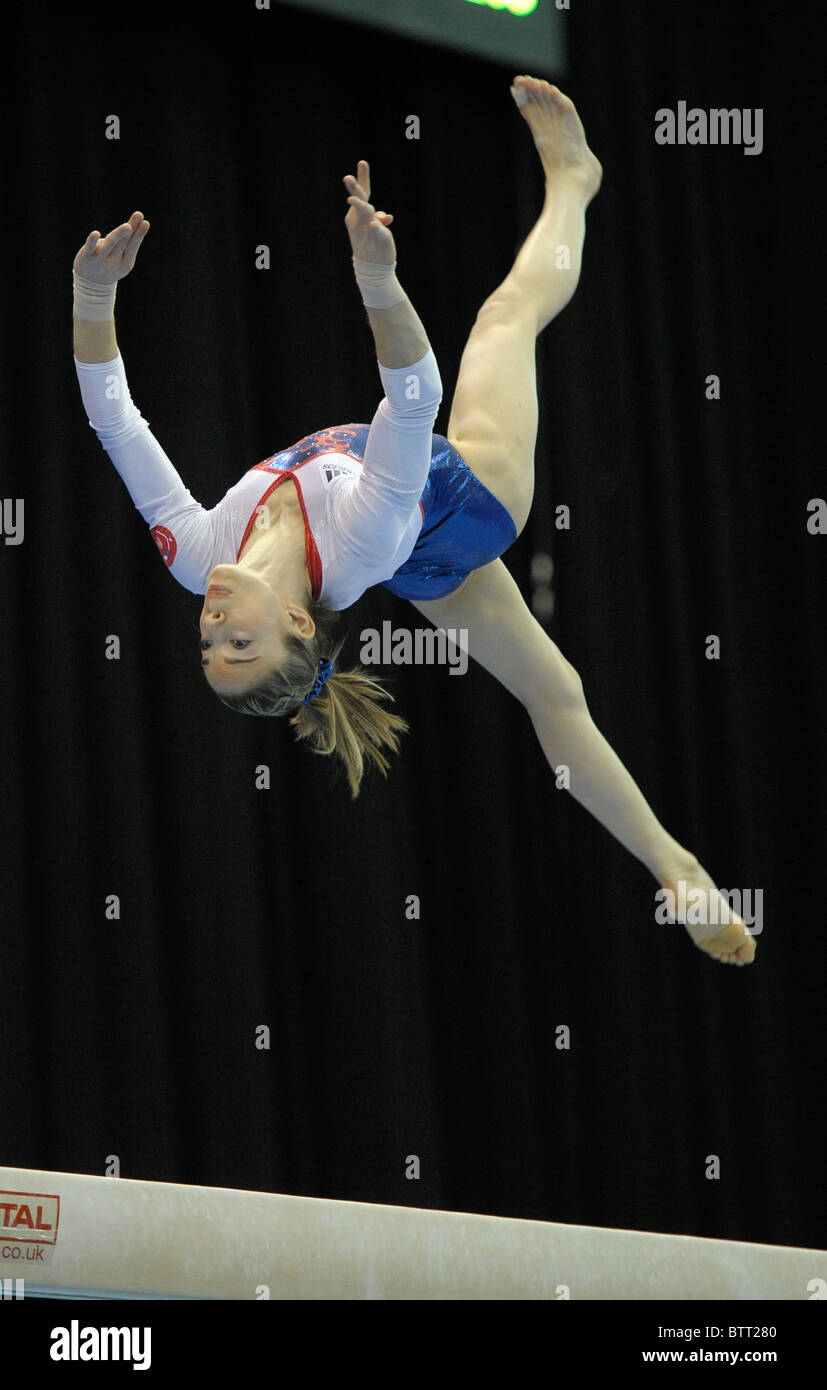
<point>92,302</point>
<point>378,284</point>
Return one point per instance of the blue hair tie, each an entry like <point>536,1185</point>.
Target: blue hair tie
<point>325,672</point>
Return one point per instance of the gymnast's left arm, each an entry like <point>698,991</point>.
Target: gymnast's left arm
<point>375,513</point>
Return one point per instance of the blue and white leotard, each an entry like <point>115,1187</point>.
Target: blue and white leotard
<point>387,503</point>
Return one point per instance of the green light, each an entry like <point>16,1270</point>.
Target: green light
<point>515,7</point>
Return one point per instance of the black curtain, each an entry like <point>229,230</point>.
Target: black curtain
<point>135,1037</point>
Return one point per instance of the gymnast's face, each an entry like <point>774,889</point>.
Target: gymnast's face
<point>243,626</point>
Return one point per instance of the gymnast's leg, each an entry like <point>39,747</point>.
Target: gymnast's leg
<point>507,640</point>
<point>493,424</point>
<point>493,421</point>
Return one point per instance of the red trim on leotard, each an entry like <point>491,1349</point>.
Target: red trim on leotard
<point>314,559</point>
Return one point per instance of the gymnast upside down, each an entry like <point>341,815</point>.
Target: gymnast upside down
<point>391,503</point>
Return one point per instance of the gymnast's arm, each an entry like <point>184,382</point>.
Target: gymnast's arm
<point>151,479</point>
<point>375,511</point>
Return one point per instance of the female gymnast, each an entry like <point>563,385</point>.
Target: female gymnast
<point>392,503</point>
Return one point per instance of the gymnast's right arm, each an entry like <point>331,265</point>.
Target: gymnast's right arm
<point>181,528</point>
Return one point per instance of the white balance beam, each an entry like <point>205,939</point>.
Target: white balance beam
<point>120,1237</point>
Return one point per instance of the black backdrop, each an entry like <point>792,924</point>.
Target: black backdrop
<point>285,907</point>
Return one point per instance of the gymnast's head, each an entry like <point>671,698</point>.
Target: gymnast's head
<point>271,656</point>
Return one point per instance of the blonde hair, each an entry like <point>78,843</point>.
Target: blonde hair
<point>345,719</point>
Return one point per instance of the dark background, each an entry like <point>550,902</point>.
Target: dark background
<point>286,907</point>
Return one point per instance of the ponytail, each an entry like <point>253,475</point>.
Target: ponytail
<point>339,713</point>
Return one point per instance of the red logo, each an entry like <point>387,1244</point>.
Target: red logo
<point>30,1216</point>
<point>166,543</point>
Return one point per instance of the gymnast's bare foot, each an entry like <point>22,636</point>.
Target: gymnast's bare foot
<point>712,923</point>
<point>558,134</point>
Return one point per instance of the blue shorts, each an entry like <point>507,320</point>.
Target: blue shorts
<point>464,525</point>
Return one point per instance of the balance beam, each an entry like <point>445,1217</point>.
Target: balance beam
<point>124,1238</point>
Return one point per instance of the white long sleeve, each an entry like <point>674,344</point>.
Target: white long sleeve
<point>373,515</point>
<point>152,481</point>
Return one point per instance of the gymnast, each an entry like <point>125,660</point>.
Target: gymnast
<point>392,503</point>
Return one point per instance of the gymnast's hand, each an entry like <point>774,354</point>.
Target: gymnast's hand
<point>369,230</point>
<point>110,258</point>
